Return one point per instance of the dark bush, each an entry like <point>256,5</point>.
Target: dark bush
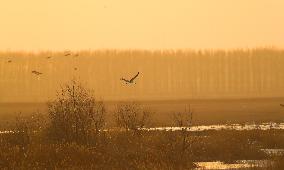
<point>75,115</point>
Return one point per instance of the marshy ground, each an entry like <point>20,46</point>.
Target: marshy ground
<point>141,150</point>
<point>26,144</point>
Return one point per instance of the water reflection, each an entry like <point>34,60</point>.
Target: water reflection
<point>273,152</point>
<point>240,164</point>
<point>263,126</point>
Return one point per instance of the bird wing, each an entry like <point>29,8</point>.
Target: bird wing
<point>135,76</point>
<point>124,80</point>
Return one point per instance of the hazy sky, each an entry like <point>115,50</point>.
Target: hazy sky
<point>148,24</point>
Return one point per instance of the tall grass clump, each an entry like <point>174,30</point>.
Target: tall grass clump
<point>75,115</point>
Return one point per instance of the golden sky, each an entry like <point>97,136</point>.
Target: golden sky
<point>146,24</point>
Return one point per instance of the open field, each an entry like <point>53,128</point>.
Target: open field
<point>205,111</point>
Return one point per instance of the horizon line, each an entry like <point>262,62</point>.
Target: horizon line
<point>38,51</point>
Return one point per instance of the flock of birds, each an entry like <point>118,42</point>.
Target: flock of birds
<point>127,81</point>
<point>49,57</point>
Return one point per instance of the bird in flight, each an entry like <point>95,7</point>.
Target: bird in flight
<point>67,53</point>
<point>131,80</point>
<point>48,57</point>
<point>36,72</point>
<point>282,105</point>
<point>9,61</point>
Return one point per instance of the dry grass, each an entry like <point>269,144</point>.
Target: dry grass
<point>143,150</point>
<point>31,147</point>
<point>114,150</point>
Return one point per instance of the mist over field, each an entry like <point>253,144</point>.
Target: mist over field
<point>164,75</point>
<point>105,84</point>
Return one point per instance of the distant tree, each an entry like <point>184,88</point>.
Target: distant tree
<point>131,116</point>
<point>183,119</point>
<point>75,115</point>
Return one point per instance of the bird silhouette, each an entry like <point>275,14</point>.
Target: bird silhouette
<point>282,105</point>
<point>48,57</point>
<point>67,53</point>
<point>36,72</point>
<point>131,80</point>
<point>9,61</point>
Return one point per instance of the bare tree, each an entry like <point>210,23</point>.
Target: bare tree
<point>132,116</point>
<point>75,115</point>
<point>184,121</point>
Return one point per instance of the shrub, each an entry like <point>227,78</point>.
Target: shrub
<point>131,116</point>
<point>75,115</point>
<point>184,141</point>
<point>183,119</point>
<point>21,132</point>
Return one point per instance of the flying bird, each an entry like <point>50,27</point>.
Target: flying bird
<point>67,53</point>
<point>282,105</point>
<point>131,80</point>
<point>9,61</point>
<point>36,72</point>
<point>48,57</point>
